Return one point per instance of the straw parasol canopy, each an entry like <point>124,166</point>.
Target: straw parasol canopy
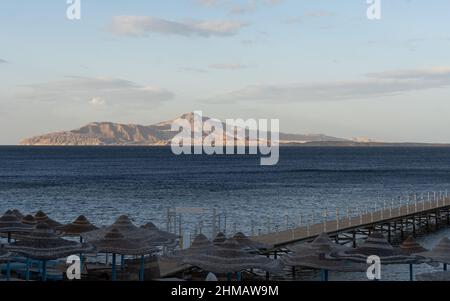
<point>123,224</point>
<point>436,276</point>
<point>130,232</point>
<point>250,244</point>
<point>322,244</point>
<point>200,244</point>
<point>42,217</point>
<point>17,213</point>
<point>115,242</point>
<point>220,238</point>
<point>229,257</point>
<point>379,246</point>
<point>10,223</point>
<point>440,253</point>
<point>43,243</point>
<point>320,262</point>
<point>77,227</point>
<point>411,246</point>
<point>29,220</point>
<point>163,237</point>
<point>313,255</point>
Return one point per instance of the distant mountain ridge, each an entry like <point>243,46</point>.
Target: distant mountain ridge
<point>160,134</point>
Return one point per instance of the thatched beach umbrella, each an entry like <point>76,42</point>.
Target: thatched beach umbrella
<point>116,243</point>
<point>43,244</point>
<point>78,227</point>
<point>435,276</point>
<point>9,223</point>
<point>29,220</point>
<point>162,238</point>
<point>312,255</point>
<point>17,213</point>
<point>228,257</point>
<point>440,253</point>
<point>411,246</point>
<point>220,238</point>
<point>322,244</point>
<point>42,217</point>
<point>377,244</point>
<point>128,230</point>
<point>200,244</point>
<point>247,243</point>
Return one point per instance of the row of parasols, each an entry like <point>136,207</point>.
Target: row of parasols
<point>39,237</point>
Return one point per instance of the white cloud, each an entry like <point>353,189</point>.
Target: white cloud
<point>309,15</point>
<point>228,66</point>
<point>238,7</point>
<point>374,85</point>
<point>95,91</point>
<point>141,26</point>
<point>97,101</point>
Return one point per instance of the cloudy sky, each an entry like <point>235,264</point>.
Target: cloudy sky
<point>319,66</point>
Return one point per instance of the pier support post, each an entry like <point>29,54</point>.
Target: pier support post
<point>401,230</point>
<point>354,239</point>
<point>414,226</point>
<point>437,220</point>
<point>389,233</point>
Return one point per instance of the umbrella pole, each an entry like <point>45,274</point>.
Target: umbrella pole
<point>44,270</point>
<point>142,270</point>
<point>27,269</point>
<point>411,272</point>
<point>323,275</point>
<point>8,271</point>
<point>113,273</point>
<point>81,263</point>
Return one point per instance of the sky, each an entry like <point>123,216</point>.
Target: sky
<point>320,66</point>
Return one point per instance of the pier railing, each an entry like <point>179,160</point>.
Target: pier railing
<point>346,221</point>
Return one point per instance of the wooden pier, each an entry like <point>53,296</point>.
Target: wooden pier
<point>395,222</point>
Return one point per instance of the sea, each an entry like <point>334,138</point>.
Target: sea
<point>191,193</point>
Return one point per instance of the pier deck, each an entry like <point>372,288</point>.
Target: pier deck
<point>393,221</point>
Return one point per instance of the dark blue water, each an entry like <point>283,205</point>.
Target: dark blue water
<point>104,182</point>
